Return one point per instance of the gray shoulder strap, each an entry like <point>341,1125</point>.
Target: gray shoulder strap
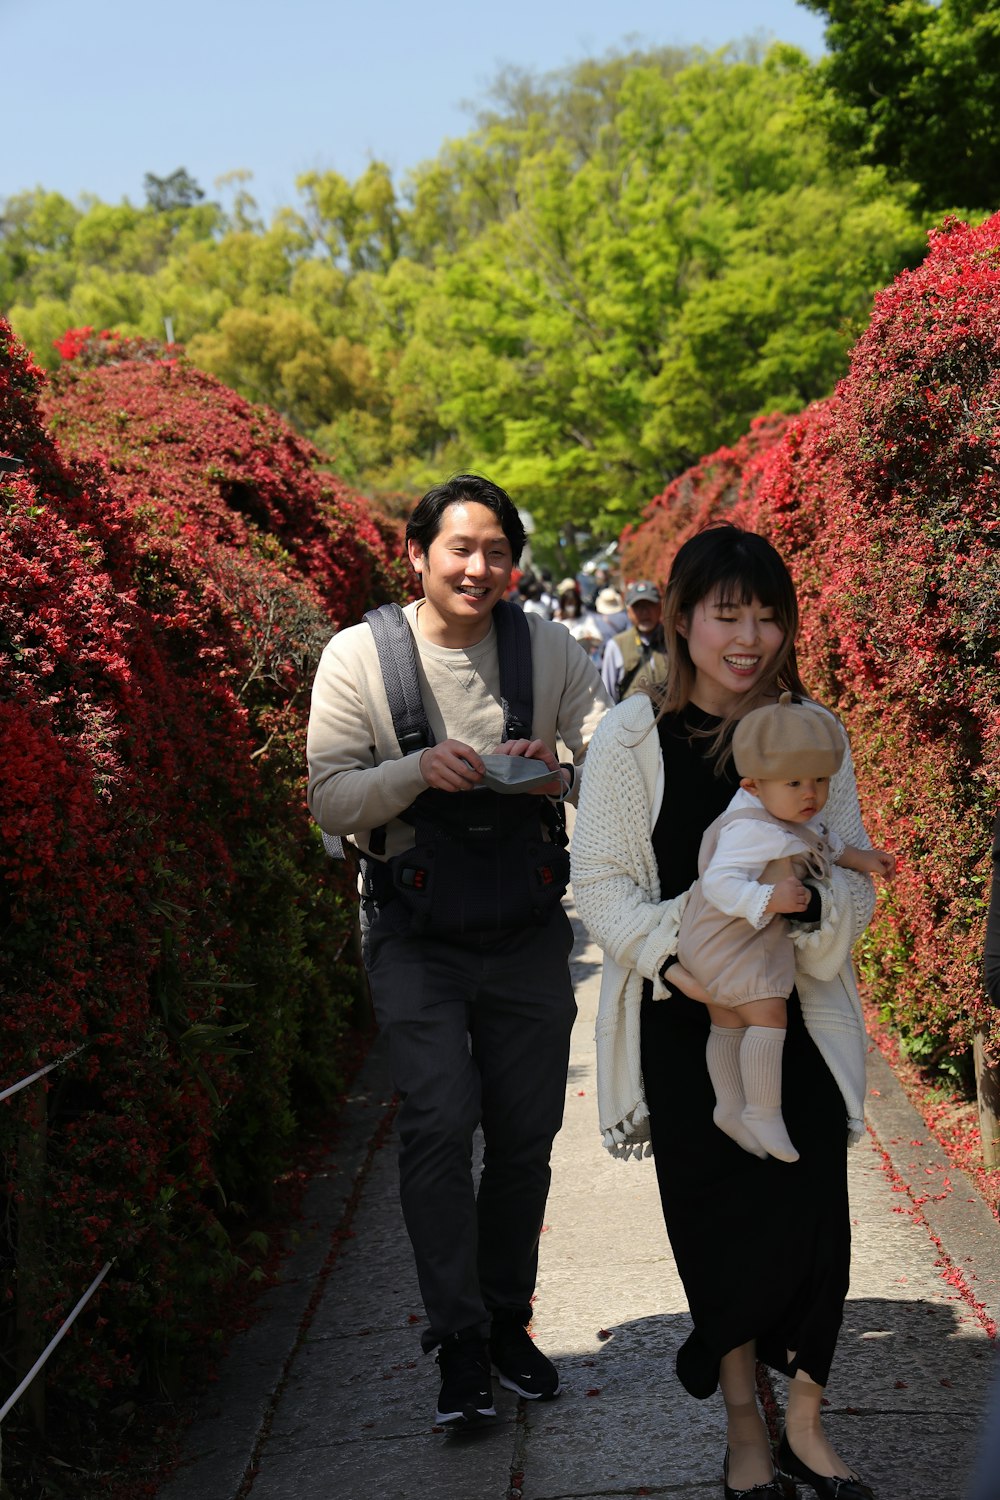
<point>397,658</point>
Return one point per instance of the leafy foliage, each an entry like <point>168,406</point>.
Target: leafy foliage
<point>883,500</point>
<point>179,190</point>
<point>168,573</point>
<point>914,86</point>
<point>617,270</point>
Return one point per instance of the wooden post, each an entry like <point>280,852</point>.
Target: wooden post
<point>988,1094</point>
<point>31,1157</point>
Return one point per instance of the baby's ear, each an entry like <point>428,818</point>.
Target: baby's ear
<point>749,785</point>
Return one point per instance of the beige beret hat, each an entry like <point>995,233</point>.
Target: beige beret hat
<point>785,740</point>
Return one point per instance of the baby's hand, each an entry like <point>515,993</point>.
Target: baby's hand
<point>788,897</point>
<point>880,862</point>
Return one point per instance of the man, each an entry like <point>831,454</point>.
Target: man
<point>478,1012</point>
<point>634,658</point>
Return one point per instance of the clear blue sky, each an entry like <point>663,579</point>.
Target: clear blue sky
<point>95,95</point>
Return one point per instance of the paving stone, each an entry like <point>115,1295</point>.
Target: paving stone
<point>340,1401</point>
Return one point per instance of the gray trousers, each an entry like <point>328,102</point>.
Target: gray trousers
<point>478,1034</point>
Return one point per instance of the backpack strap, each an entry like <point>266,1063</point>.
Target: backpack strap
<point>514,659</point>
<point>398,663</point>
<point>397,659</point>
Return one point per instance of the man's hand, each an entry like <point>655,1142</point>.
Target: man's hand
<point>788,897</point>
<point>537,750</point>
<point>451,767</point>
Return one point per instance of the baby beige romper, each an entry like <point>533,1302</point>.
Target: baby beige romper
<point>735,961</point>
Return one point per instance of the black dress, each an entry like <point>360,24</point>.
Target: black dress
<point>762,1246</point>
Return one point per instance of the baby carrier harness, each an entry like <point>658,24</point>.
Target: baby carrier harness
<point>479,862</point>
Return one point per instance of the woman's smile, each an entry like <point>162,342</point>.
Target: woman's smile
<point>731,646</point>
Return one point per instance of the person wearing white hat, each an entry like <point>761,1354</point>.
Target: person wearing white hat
<point>578,621</point>
<point>607,618</point>
<point>610,605</point>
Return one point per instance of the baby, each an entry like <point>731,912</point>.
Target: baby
<point>735,949</point>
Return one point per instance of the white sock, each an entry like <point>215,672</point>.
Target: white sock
<point>722,1053</point>
<point>760,1065</point>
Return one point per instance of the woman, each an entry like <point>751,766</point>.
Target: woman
<point>762,1246</point>
<point>579,621</point>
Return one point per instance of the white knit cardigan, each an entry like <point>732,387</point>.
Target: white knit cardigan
<point>616,888</point>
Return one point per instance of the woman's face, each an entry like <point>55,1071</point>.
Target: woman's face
<point>732,646</point>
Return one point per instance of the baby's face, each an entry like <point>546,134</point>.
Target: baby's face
<point>793,801</point>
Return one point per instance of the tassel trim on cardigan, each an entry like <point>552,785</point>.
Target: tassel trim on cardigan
<point>630,1137</point>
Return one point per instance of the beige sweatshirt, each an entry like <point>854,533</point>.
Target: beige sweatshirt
<point>358,779</point>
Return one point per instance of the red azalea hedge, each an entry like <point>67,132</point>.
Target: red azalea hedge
<point>169,572</point>
<point>885,500</point>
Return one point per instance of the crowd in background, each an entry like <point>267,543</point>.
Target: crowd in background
<point>589,605</point>
<point>619,627</point>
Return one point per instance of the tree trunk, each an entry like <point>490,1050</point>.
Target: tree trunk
<point>988,1093</point>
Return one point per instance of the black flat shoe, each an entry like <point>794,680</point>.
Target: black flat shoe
<point>827,1486</point>
<point>773,1489</point>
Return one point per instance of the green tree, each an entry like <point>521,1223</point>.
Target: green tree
<point>612,273</point>
<point>280,358</point>
<point>915,87</point>
<point>697,261</point>
<point>179,190</point>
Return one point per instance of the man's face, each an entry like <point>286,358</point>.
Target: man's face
<point>464,571</point>
<point>645,615</point>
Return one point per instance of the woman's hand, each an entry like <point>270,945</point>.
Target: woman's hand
<point>685,981</point>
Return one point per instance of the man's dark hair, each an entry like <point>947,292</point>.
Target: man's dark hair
<point>425,522</point>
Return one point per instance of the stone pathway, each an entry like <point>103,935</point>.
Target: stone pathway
<point>330,1395</point>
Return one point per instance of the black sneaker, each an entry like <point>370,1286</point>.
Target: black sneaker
<point>466,1394</point>
<point>519,1362</point>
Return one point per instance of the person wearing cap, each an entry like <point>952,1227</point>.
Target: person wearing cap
<point>634,658</point>
<point>735,949</point>
<point>475,998</point>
